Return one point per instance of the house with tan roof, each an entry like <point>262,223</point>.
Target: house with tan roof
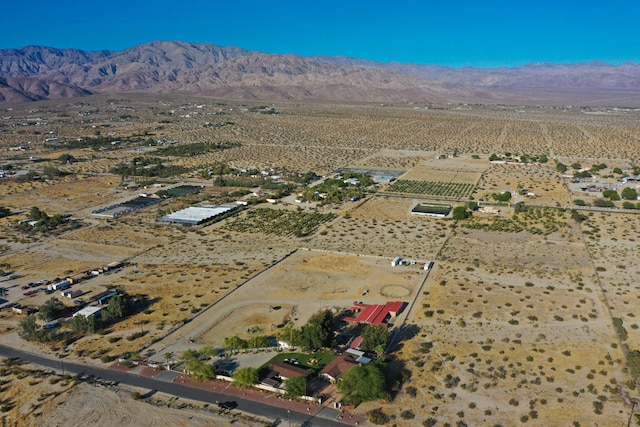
<point>287,370</point>
<point>333,371</point>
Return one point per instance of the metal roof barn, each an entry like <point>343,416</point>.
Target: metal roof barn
<point>195,215</point>
<point>89,311</point>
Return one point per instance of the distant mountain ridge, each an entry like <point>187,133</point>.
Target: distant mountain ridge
<point>36,73</point>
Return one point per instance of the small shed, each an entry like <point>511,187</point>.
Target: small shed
<point>88,311</point>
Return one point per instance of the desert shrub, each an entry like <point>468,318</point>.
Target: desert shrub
<point>407,414</point>
<point>598,407</point>
<point>620,329</point>
<point>412,391</point>
<point>376,416</point>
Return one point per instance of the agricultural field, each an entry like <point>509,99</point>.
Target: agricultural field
<point>279,221</point>
<point>447,190</point>
<point>429,179</point>
<point>527,317</point>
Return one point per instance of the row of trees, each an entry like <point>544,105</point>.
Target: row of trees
<point>523,158</point>
<point>317,333</point>
<point>43,222</point>
<point>118,307</point>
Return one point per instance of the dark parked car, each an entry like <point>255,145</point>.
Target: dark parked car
<point>228,405</point>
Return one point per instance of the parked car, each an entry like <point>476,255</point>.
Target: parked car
<point>228,405</point>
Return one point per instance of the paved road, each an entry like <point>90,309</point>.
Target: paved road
<point>248,406</point>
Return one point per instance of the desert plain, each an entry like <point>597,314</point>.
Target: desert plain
<point>526,318</point>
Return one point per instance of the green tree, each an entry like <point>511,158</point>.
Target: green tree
<point>209,351</point>
<point>118,306</point>
<point>561,167</point>
<point>189,355</point>
<point>543,158</point>
<point>235,343</point>
<point>611,194</point>
<point>51,309</point>
<point>629,193</point>
<point>168,356</point>
<point>313,337</point>
<point>28,328</point>
<point>577,216</point>
<point>374,337</point>
<point>502,197</point>
<point>66,158</point>
<point>202,371</point>
<point>295,387</point>
<point>245,377</point>
<point>364,383</point>
<point>199,370</point>
<point>196,367</point>
<point>460,213</point>
<point>35,214</point>
<point>318,332</point>
<point>52,171</point>
<point>602,203</point>
<point>289,334</point>
<point>519,208</point>
<point>82,323</point>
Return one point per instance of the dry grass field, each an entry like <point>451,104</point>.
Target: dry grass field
<point>542,180</point>
<point>513,337</point>
<point>611,241</point>
<point>511,327</point>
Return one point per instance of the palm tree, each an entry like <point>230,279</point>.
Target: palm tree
<point>168,356</point>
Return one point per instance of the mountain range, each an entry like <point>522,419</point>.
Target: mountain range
<point>36,73</point>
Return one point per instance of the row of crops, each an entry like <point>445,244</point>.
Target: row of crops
<point>279,222</point>
<point>452,190</point>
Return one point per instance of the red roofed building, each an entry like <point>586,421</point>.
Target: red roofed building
<point>376,314</point>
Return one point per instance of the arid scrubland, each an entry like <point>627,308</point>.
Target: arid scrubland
<point>526,317</point>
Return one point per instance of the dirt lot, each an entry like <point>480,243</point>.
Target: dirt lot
<point>295,288</point>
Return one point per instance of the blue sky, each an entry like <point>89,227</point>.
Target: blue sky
<point>482,33</point>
